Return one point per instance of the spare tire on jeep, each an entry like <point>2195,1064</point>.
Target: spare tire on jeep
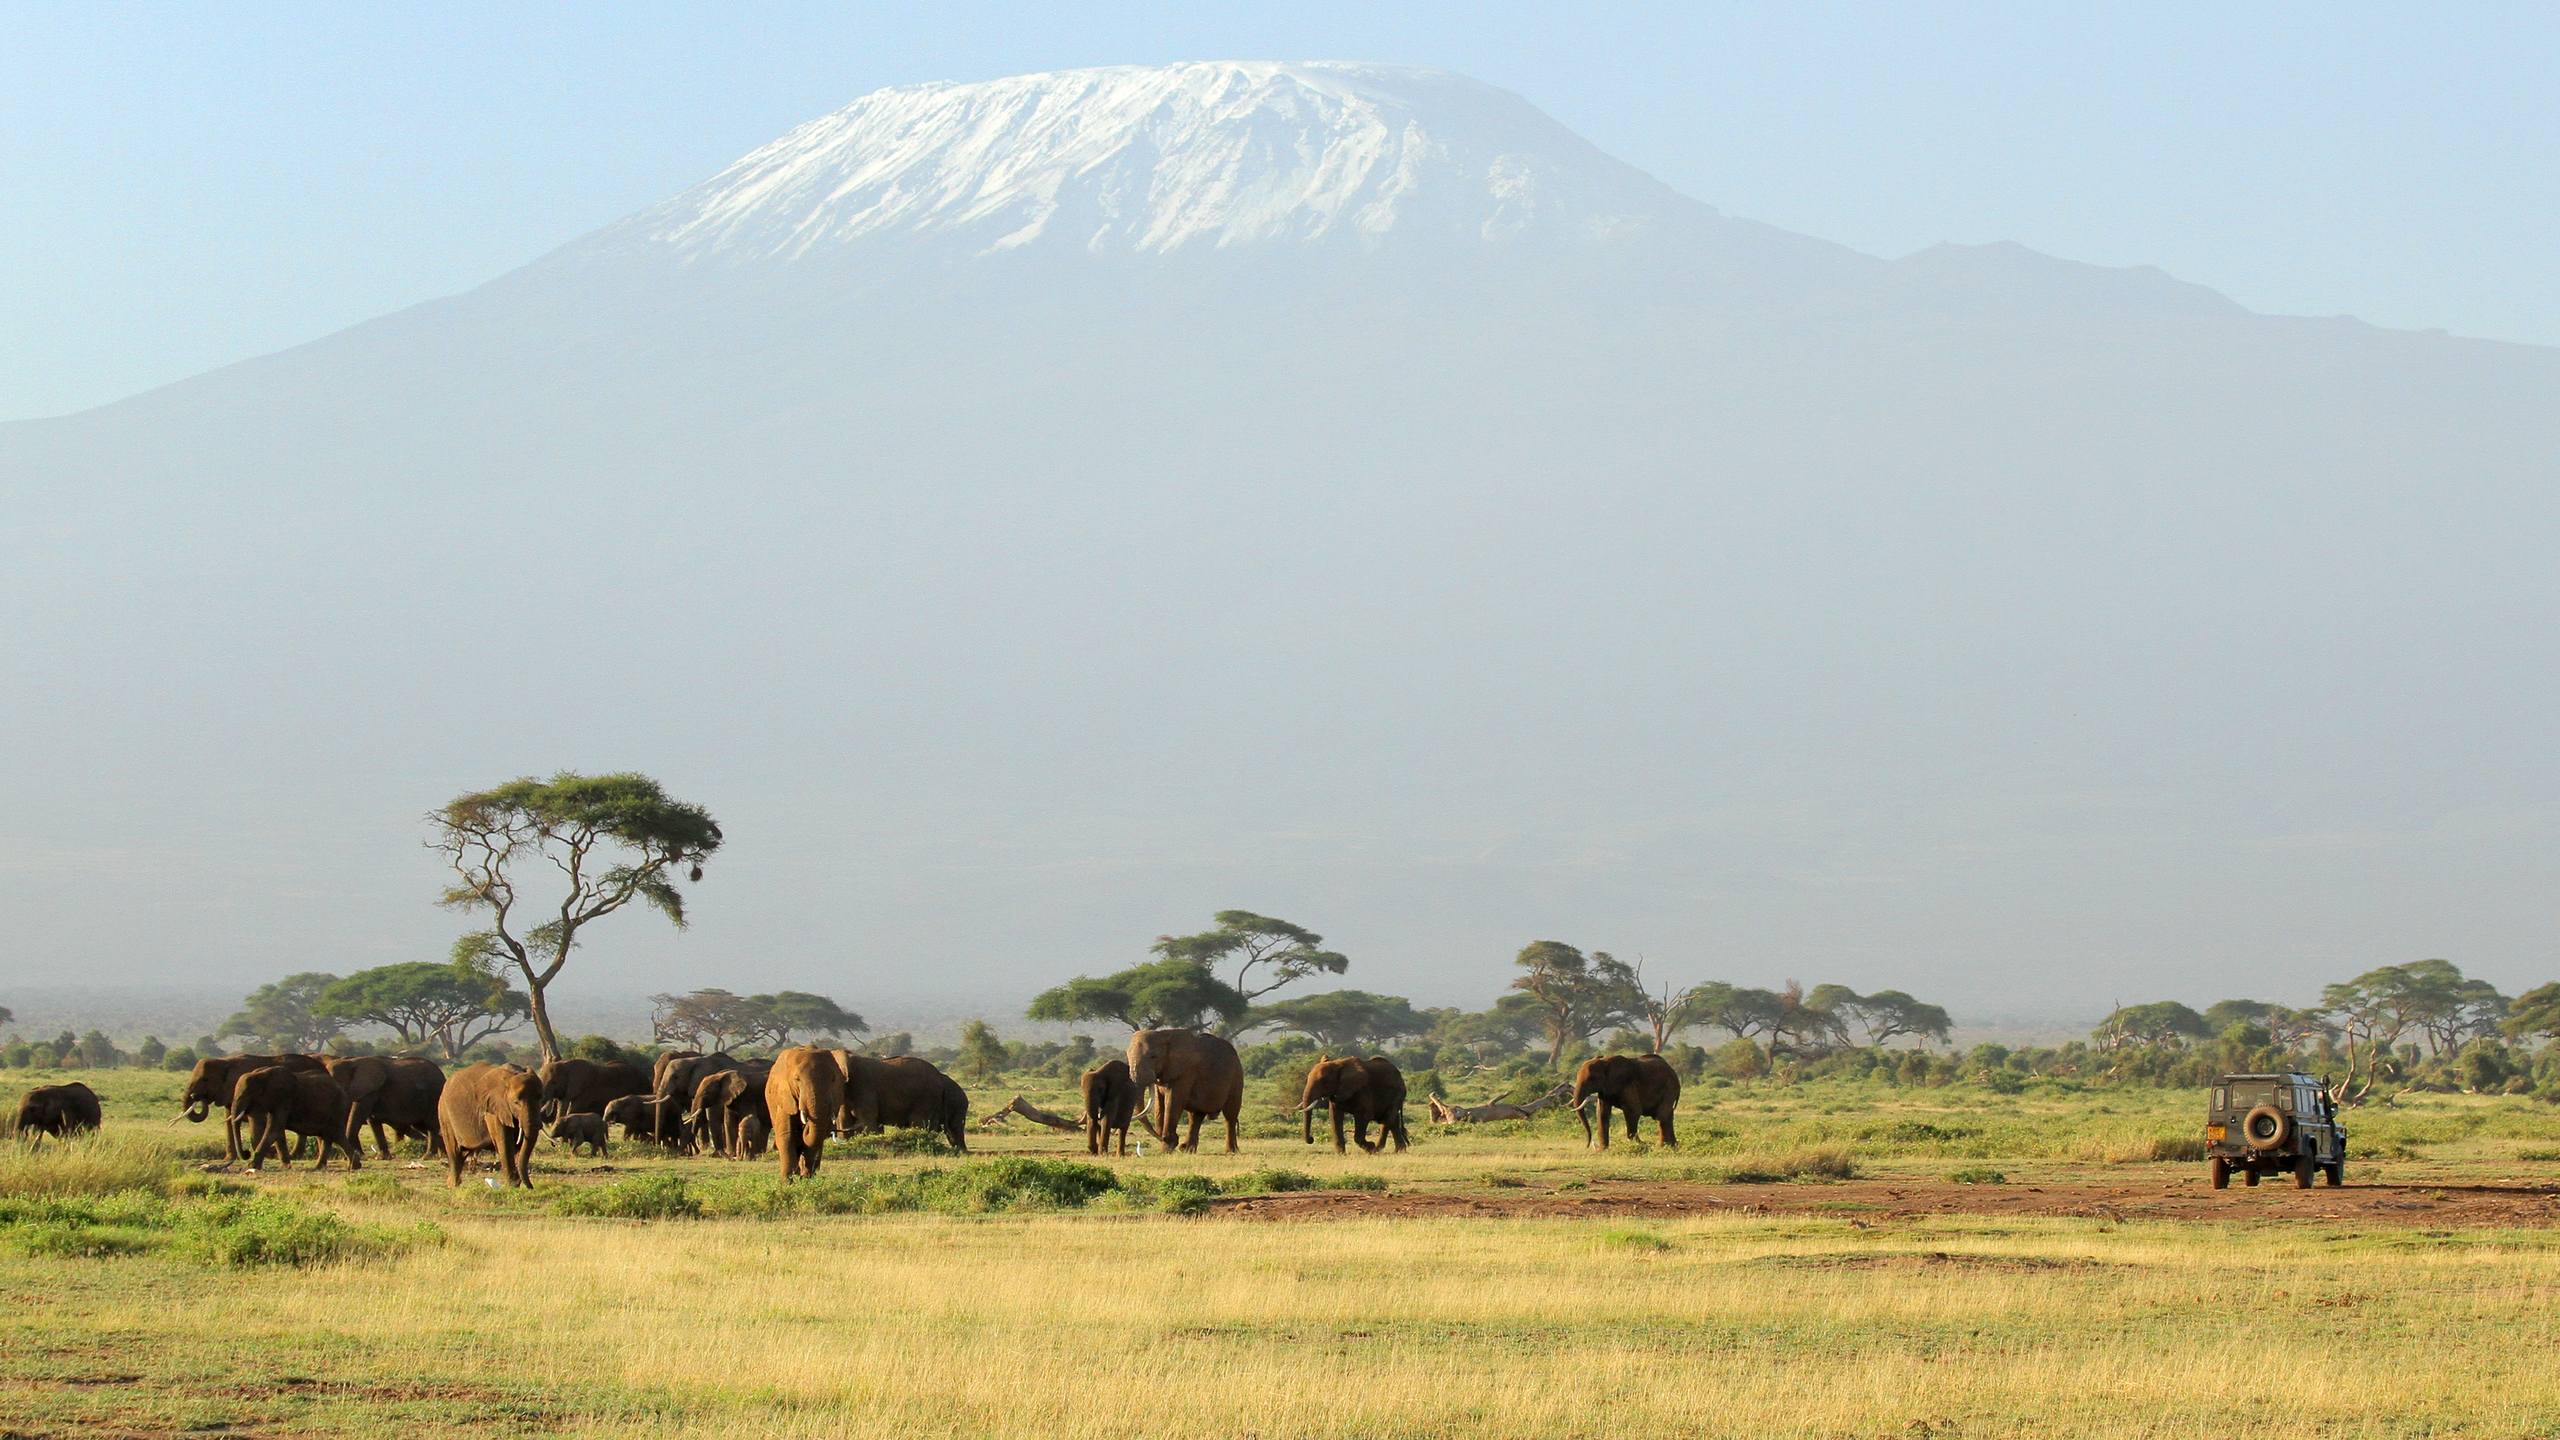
<point>2266,1128</point>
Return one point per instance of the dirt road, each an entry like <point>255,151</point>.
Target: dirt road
<point>2415,1206</point>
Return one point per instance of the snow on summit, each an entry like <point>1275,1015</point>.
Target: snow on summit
<point>1159,159</point>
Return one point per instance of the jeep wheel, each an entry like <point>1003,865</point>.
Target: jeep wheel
<point>2265,1128</point>
<point>2337,1172</point>
<point>2302,1169</point>
<point>2251,1175</point>
<point>2220,1170</point>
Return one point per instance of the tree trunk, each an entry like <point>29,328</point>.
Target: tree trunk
<point>541,1018</point>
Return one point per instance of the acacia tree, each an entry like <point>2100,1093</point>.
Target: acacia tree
<point>1143,997</point>
<point>1884,1016</point>
<point>1284,953</point>
<point>613,839</point>
<point>455,1005</point>
<point>784,1012</point>
<point>1577,994</point>
<point>1662,1010</point>
<point>2161,1022</point>
<point>1344,1021</point>
<point>286,1014</point>
<point>707,1019</point>
<point>2535,1013</point>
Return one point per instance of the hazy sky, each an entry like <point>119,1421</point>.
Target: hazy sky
<point>187,188</point>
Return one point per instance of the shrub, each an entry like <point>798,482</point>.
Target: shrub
<point>1821,1164</point>
<point>1268,1180</point>
<point>1182,1194</point>
<point>885,1144</point>
<point>1638,1240</point>
<point>643,1197</point>
<point>1977,1175</point>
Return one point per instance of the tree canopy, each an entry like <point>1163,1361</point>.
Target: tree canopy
<point>1284,953</point>
<point>610,839</point>
<point>716,1019</point>
<point>2161,1022</point>
<point>286,1015</point>
<point>454,1006</point>
<point>1344,1020</point>
<point>1576,994</point>
<point>1168,991</point>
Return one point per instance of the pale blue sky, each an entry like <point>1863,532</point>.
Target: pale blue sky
<point>187,187</point>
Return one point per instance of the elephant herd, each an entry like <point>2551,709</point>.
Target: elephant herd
<point>694,1103</point>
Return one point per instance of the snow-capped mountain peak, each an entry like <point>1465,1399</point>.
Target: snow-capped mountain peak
<point>1165,158</point>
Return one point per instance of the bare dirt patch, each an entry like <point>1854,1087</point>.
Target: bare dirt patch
<point>1867,1201</point>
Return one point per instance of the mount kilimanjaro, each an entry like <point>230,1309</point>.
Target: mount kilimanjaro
<point>1036,514</point>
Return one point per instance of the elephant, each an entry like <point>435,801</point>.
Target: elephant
<point>903,1091</point>
<point>408,1103</point>
<point>751,1136</point>
<point>1636,1085</point>
<point>679,1075</point>
<point>645,1117</point>
<point>581,1130</point>
<point>59,1110</point>
<point>1361,1091</point>
<point>667,1059</point>
<point>720,1101</point>
<point>1110,1098</point>
<point>1194,1073</point>
<point>395,1093</point>
<point>585,1087</point>
<point>491,1107</point>
<point>803,1095</point>
<point>277,1100</point>
<point>213,1079</point>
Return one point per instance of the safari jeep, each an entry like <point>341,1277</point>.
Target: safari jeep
<point>2273,1125</point>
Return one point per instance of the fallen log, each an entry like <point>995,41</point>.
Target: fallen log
<point>1028,1111</point>
<point>1444,1113</point>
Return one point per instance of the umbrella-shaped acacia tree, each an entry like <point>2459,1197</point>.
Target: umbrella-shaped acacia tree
<point>612,839</point>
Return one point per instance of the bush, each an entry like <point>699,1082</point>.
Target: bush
<point>1181,1194</point>
<point>1639,1240</point>
<point>1268,1180</point>
<point>209,1222</point>
<point>883,1144</point>
<point>643,1197</point>
<point>1822,1164</point>
<point>1977,1175</point>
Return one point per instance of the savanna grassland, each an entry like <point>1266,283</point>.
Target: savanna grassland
<point>1816,1260</point>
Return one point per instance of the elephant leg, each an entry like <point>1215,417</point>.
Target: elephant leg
<point>452,1155</point>
<point>1235,1111</point>
<point>231,1136</point>
<point>1604,1124</point>
<point>1337,1127</point>
<point>1663,1122</point>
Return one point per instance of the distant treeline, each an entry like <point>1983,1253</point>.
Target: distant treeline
<point>2421,1024</point>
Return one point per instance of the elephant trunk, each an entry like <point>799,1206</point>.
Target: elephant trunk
<point>1307,1119</point>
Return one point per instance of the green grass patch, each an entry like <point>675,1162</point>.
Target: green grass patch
<point>213,1224</point>
<point>1977,1175</point>
<point>1797,1165</point>
<point>1627,1238</point>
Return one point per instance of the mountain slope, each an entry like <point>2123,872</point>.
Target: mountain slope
<point>1032,514</point>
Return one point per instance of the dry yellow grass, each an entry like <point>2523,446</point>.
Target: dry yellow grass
<point>1088,1326</point>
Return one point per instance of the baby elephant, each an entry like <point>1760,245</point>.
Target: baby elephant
<point>575,1131</point>
<point>58,1110</point>
<point>1110,1098</point>
<point>752,1133</point>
